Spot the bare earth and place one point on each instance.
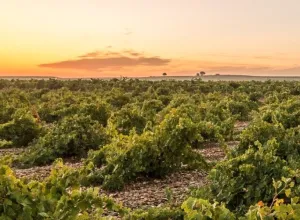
(140, 194)
(148, 192)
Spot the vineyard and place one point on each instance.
(138, 149)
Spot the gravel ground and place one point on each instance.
(240, 126)
(10, 151)
(144, 193)
(152, 193)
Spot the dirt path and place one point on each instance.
(153, 192)
(10, 151)
(42, 172)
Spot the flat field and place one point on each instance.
(149, 149)
(225, 78)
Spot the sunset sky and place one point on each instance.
(104, 38)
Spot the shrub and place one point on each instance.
(150, 154)
(98, 111)
(245, 179)
(56, 198)
(71, 137)
(128, 118)
(161, 213)
(203, 209)
(21, 130)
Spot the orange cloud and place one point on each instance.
(97, 60)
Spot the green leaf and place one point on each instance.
(288, 192)
(7, 202)
(44, 214)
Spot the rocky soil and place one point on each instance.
(10, 151)
(145, 193)
(40, 173)
(240, 126)
(152, 193)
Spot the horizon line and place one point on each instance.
(159, 76)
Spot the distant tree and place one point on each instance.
(164, 74)
(202, 73)
(197, 74)
(217, 74)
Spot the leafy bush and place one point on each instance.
(98, 111)
(286, 113)
(288, 140)
(245, 179)
(21, 130)
(56, 198)
(148, 128)
(152, 153)
(260, 131)
(118, 98)
(150, 108)
(128, 118)
(203, 209)
(73, 136)
(162, 213)
(240, 109)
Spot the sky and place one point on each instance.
(109, 38)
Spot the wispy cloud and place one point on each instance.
(90, 55)
(261, 70)
(240, 68)
(127, 31)
(130, 61)
(99, 60)
(264, 57)
(295, 70)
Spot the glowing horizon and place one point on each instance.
(73, 38)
